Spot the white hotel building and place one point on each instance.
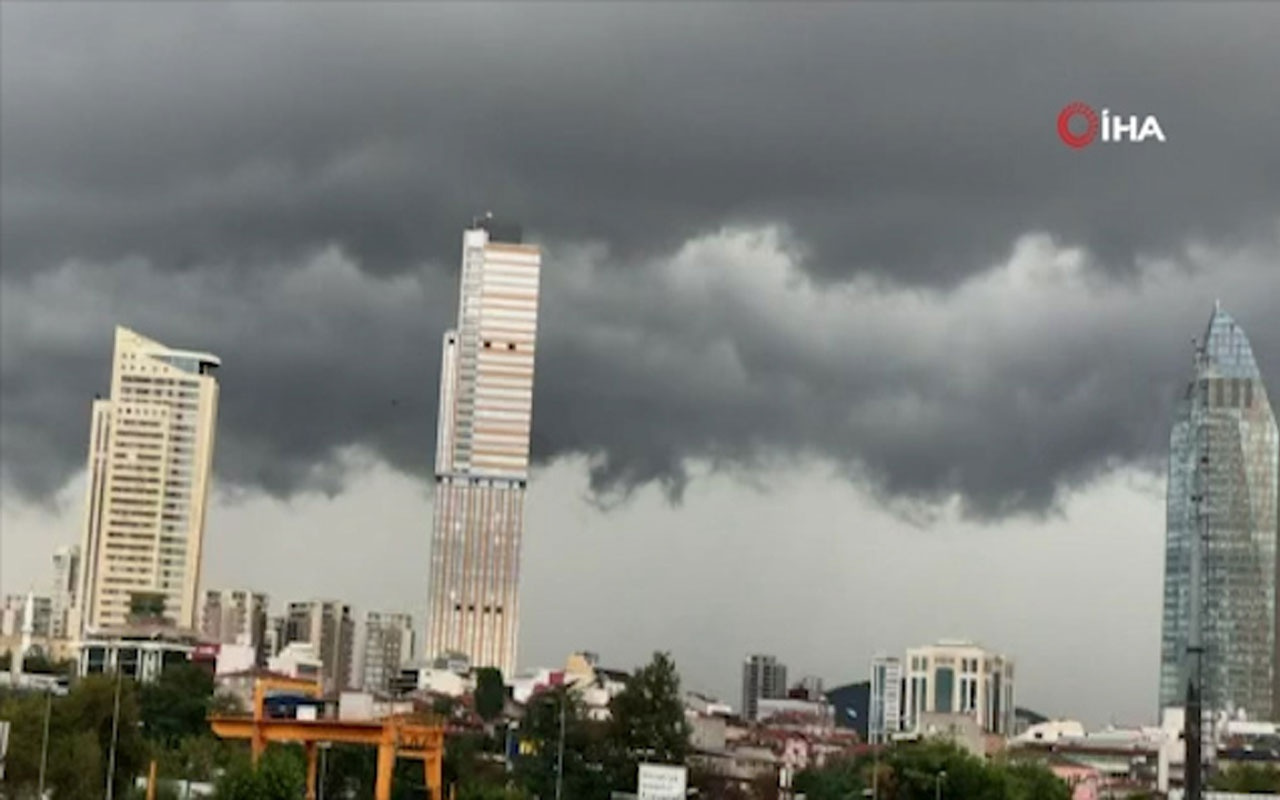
(959, 677)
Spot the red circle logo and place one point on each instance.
(1070, 112)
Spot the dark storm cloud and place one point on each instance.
(917, 142)
(316, 360)
(908, 145)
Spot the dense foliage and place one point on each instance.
(926, 771)
(491, 693)
(281, 775)
(80, 727)
(167, 721)
(647, 723)
(1247, 779)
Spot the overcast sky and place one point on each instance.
(842, 350)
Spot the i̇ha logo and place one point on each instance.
(1114, 128)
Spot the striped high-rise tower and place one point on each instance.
(482, 450)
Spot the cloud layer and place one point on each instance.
(840, 231)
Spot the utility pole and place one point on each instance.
(875, 771)
(115, 732)
(1193, 725)
(564, 696)
(44, 744)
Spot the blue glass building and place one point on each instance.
(1224, 445)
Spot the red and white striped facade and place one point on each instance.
(482, 454)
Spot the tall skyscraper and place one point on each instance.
(1222, 487)
(66, 573)
(236, 616)
(150, 460)
(762, 677)
(388, 645)
(482, 451)
(330, 629)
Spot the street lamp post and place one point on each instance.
(115, 732)
(875, 756)
(44, 745)
(564, 696)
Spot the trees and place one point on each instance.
(490, 694)
(193, 758)
(280, 775)
(1031, 781)
(839, 778)
(90, 707)
(914, 772)
(647, 722)
(177, 704)
(583, 774)
(37, 663)
(1247, 779)
(25, 713)
(80, 736)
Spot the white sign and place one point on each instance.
(662, 782)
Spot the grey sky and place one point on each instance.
(842, 240)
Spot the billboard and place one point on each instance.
(662, 782)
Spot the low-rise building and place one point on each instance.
(140, 652)
(594, 685)
(298, 660)
(235, 658)
(1124, 760)
(705, 705)
(527, 683)
(357, 706)
(434, 681)
(961, 730)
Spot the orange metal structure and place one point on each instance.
(395, 737)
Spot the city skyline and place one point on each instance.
(847, 340)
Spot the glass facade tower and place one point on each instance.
(1222, 492)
